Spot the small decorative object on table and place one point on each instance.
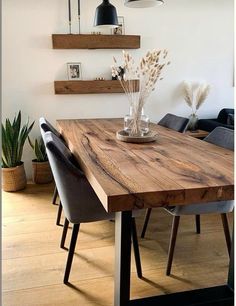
(124, 136)
(148, 72)
(195, 101)
(74, 71)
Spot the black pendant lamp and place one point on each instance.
(106, 15)
(142, 3)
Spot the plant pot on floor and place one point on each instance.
(42, 173)
(14, 179)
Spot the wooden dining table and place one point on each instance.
(176, 169)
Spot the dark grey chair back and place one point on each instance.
(222, 137)
(47, 127)
(174, 122)
(79, 201)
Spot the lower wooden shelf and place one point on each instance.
(90, 41)
(90, 87)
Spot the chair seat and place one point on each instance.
(219, 207)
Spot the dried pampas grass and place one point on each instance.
(202, 92)
(147, 72)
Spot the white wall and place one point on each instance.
(197, 33)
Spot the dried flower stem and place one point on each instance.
(147, 73)
(201, 95)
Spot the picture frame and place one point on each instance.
(74, 71)
(120, 30)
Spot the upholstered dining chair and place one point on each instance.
(174, 122)
(79, 201)
(222, 137)
(178, 124)
(46, 126)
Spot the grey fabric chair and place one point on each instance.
(174, 122)
(222, 137)
(79, 201)
(45, 126)
(178, 124)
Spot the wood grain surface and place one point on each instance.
(176, 169)
(91, 41)
(90, 86)
(197, 133)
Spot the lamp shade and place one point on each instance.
(142, 3)
(106, 15)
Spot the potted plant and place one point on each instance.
(13, 140)
(42, 173)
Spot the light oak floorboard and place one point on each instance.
(33, 264)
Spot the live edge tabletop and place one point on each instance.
(175, 169)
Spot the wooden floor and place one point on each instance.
(33, 263)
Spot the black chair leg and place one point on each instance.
(226, 231)
(198, 224)
(174, 232)
(147, 217)
(74, 236)
(55, 195)
(59, 214)
(136, 249)
(63, 237)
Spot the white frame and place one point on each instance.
(79, 72)
(121, 22)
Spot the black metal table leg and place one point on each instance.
(213, 296)
(231, 265)
(123, 225)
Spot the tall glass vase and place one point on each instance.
(136, 123)
(193, 120)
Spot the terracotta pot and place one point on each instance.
(42, 173)
(14, 179)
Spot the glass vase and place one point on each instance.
(136, 123)
(144, 123)
(193, 120)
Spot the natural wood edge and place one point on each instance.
(173, 197)
(89, 87)
(91, 41)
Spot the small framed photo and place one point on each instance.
(74, 71)
(120, 30)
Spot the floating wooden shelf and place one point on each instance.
(90, 87)
(91, 41)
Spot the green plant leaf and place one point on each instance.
(13, 140)
(30, 143)
(38, 153)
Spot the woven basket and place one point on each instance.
(42, 173)
(13, 179)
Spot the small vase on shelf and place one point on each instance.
(193, 120)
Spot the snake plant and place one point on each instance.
(13, 140)
(39, 149)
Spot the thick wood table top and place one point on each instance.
(176, 169)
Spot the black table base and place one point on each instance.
(214, 296)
